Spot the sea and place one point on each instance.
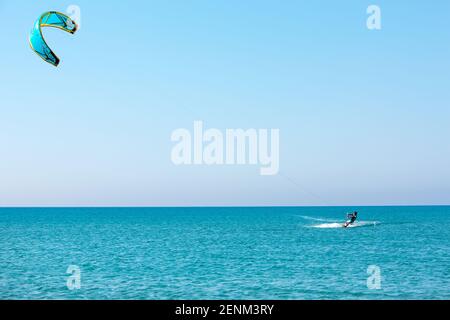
(225, 253)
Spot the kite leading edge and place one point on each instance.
(49, 19)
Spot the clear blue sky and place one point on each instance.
(364, 116)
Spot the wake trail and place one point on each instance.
(336, 225)
(318, 219)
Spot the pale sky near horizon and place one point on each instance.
(364, 115)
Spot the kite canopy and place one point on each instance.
(49, 19)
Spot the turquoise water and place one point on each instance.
(225, 253)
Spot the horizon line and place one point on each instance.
(216, 206)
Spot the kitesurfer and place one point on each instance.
(351, 219)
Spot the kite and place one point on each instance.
(49, 19)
